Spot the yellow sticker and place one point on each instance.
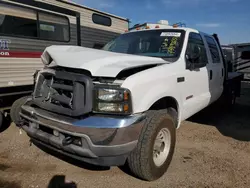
(172, 46)
(164, 45)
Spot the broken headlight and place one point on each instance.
(112, 100)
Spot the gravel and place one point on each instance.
(212, 150)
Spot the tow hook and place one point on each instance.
(67, 141)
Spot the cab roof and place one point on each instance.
(162, 24)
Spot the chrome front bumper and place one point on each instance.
(100, 140)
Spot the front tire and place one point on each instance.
(16, 108)
(153, 154)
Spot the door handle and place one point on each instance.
(211, 74)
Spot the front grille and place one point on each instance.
(64, 92)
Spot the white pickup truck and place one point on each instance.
(122, 105)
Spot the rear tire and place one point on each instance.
(16, 108)
(229, 98)
(143, 162)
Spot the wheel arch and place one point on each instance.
(165, 103)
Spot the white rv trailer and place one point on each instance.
(28, 27)
(238, 57)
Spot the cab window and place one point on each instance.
(162, 43)
(195, 40)
(213, 49)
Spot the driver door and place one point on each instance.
(196, 92)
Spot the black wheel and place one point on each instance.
(155, 148)
(233, 98)
(4, 122)
(16, 108)
(230, 98)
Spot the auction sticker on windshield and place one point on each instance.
(170, 34)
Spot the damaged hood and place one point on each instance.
(99, 62)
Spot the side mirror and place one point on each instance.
(195, 55)
(245, 55)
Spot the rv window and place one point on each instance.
(101, 20)
(213, 49)
(22, 22)
(17, 21)
(53, 27)
(245, 55)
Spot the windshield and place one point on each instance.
(165, 43)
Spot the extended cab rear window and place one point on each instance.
(18, 21)
(213, 49)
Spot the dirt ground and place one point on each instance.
(213, 150)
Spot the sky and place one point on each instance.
(230, 19)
